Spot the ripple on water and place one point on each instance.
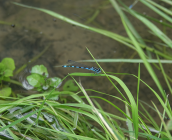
(23, 80)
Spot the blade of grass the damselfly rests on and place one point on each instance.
(129, 124)
(128, 61)
(165, 127)
(152, 5)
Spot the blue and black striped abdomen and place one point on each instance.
(73, 64)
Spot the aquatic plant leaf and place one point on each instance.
(36, 80)
(9, 63)
(55, 82)
(6, 92)
(2, 68)
(40, 69)
(8, 73)
(69, 86)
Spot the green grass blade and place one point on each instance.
(153, 28)
(128, 61)
(150, 3)
(129, 124)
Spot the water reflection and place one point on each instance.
(22, 78)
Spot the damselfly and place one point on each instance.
(73, 64)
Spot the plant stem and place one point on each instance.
(15, 82)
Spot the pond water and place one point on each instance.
(35, 30)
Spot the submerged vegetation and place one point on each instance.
(50, 113)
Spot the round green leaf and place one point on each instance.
(9, 63)
(6, 92)
(8, 73)
(36, 80)
(40, 69)
(69, 86)
(55, 82)
(2, 68)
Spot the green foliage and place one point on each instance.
(6, 71)
(40, 69)
(38, 79)
(169, 125)
(69, 86)
(54, 82)
(54, 95)
(9, 63)
(5, 92)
